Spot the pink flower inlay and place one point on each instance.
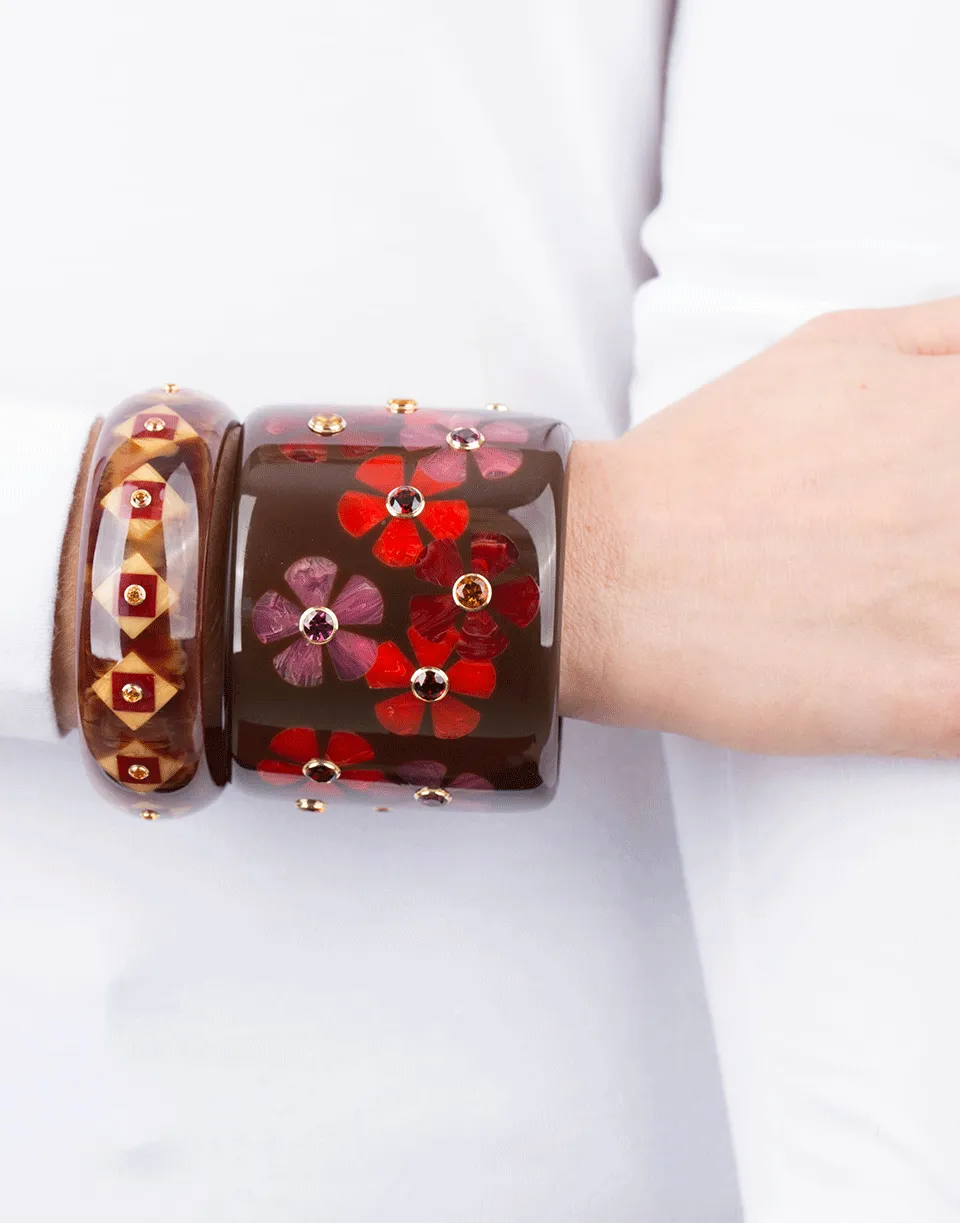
(495, 459)
(437, 776)
(276, 618)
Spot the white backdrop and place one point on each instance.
(253, 1014)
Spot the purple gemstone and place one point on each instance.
(405, 501)
(464, 438)
(429, 684)
(318, 625)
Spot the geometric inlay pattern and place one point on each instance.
(139, 767)
(134, 595)
(156, 431)
(142, 501)
(133, 690)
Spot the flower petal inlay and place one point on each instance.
(300, 664)
(274, 618)
(311, 579)
(360, 602)
(351, 654)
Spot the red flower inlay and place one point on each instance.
(495, 459)
(479, 636)
(403, 714)
(400, 542)
(298, 745)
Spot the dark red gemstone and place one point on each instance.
(405, 501)
(429, 684)
(464, 438)
(321, 770)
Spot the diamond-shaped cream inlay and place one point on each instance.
(107, 594)
(117, 501)
(133, 664)
(139, 751)
(153, 446)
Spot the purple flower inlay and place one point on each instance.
(433, 773)
(275, 618)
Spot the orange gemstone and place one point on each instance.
(472, 591)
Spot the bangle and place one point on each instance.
(150, 625)
(397, 602)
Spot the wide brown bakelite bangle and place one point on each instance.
(151, 592)
(397, 603)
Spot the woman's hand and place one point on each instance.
(773, 563)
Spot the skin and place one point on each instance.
(772, 563)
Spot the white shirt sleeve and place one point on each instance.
(811, 163)
(39, 462)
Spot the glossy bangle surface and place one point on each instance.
(150, 639)
(396, 620)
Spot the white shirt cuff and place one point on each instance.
(39, 461)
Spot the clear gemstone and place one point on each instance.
(311, 804)
(400, 407)
(432, 796)
(472, 591)
(327, 426)
(140, 499)
(138, 772)
(134, 595)
(429, 684)
(318, 625)
(405, 501)
(465, 438)
(154, 424)
(323, 771)
(131, 693)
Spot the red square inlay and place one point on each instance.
(170, 422)
(146, 704)
(150, 763)
(147, 609)
(155, 488)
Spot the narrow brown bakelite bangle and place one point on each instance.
(151, 595)
(397, 606)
